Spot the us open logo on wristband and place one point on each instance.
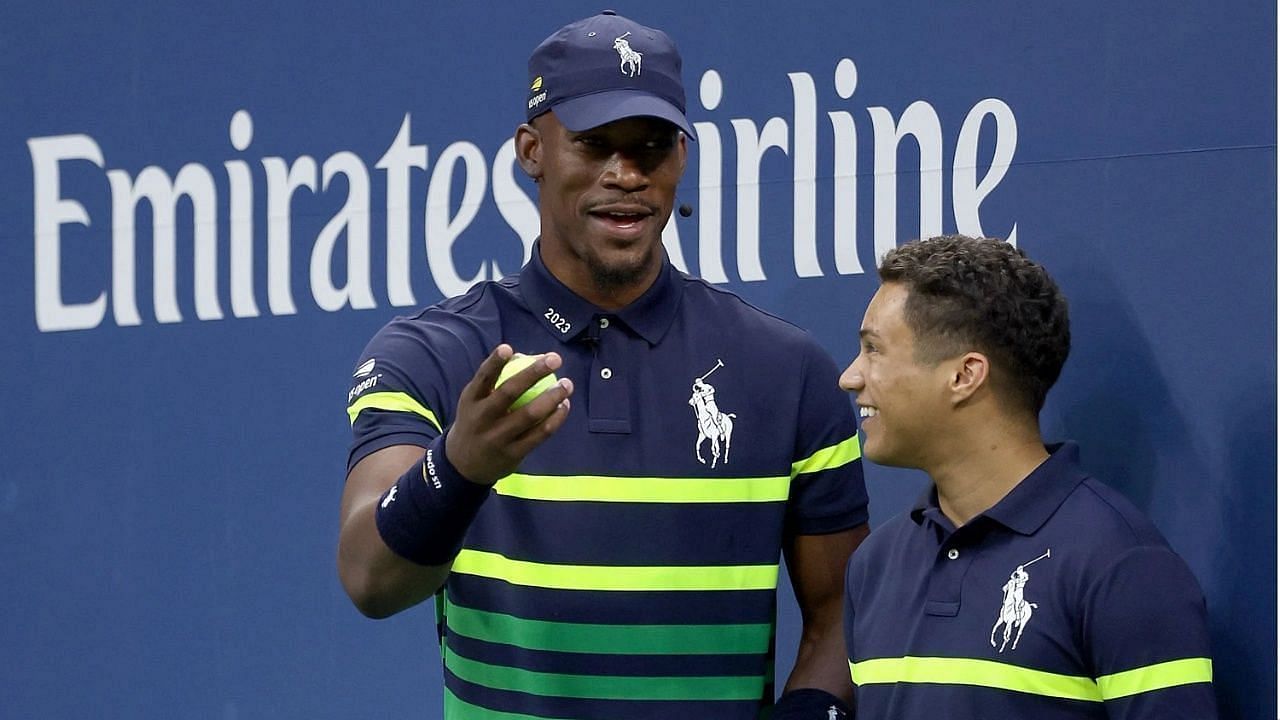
(429, 468)
(391, 496)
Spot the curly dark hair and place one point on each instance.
(984, 294)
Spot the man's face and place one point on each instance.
(605, 195)
(901, 401)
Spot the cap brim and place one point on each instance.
(589, 111)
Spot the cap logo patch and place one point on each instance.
(630, 59)
(537, 84)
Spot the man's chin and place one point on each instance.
(621, 269)
(881, 456)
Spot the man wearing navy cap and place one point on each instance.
(611, 548)
(1018, 586)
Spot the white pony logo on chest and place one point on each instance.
(1015, 611)
(713, 425)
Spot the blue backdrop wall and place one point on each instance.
(208, 210)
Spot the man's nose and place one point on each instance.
(851, 379)
(626, 172)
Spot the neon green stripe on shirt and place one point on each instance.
(616, 577)
(969, 671)
(1159, 676)
(594, 488)
(829, 458)
(605, 687)
(736, 639)
(393, 401)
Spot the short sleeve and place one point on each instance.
(1146, 630)
(405, 387)
(828, 493)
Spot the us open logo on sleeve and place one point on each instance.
(367, 380)
(1015, 611)
(365, 368)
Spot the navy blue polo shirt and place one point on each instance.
(1061, 601)
(628, 568)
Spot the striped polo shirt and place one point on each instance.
(1061, 602)
(628, 568)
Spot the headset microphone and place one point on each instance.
(685, 210)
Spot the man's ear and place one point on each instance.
(971, 372)
(528, 143)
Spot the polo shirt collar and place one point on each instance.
(649, 316)
(1031, 502)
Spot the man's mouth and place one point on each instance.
(866, 411)
(622, 220)
(622, 217)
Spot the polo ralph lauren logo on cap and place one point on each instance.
(606, 68)
(630, 64)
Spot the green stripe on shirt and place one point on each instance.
(969, 671)
(736, 639)
(616, 577)
(829, 458)
(393, 401)
(596, 488)
(1159, 676)
(1004, 676)
(605, 687)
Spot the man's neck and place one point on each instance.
(985, 467)
(599, 291)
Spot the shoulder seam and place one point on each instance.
(1087, 483)
(690, 279)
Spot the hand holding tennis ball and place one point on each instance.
(517, 363)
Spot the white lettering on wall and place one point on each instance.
(345, 281)
(921, 122)
(153, 184)
(52, 211)
(444, 226)
(400, 157)
(967, 193)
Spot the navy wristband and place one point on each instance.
(425, 515)
(810, 704)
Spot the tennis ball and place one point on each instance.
(517, 363)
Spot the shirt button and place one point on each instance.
(606, 373)
(604, 323)
(952, 554)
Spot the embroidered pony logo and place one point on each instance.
(629, 59)
(1015, 611)
(713, 425)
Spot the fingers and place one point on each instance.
(555, 398)
(515, 391)
(489, 437)
(487, 374)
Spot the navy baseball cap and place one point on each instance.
(606, 68)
